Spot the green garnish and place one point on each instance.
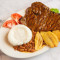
(55, 10)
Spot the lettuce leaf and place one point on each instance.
(55, 10)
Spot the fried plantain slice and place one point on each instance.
(38, 41)
(53, 38)
(57, 33)
(47, 40)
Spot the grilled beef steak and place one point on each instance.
(38, 17)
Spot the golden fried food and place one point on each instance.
(38, 41)
(47, 40)
(53, 38)
(50, 39)
(57, 33)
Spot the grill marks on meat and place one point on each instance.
(39, 18)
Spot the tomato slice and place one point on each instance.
(9, 23)
(16, 17)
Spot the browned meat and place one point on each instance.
(38, 17)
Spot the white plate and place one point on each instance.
(8, 50)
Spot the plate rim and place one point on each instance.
(46, 47)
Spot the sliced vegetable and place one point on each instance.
(57, 33)
(53, 38)
(50, 39)
(55, 10)
(9, 23)
(47, 40)
(38, 41)
(16, 17)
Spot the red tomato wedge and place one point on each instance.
(16, 17)
(9, 23)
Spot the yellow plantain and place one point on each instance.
(57, 33)
(46, 39)
(53, 38)
(38, 41)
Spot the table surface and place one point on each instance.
(7, 7)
